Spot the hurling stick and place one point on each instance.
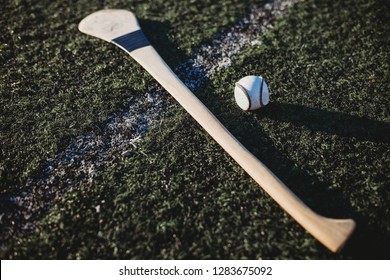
(121, 28)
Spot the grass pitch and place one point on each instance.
(178, 195)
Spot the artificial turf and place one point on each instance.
(325, 132)
(51, 73)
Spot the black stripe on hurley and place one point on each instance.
(132, 41)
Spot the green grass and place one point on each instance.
(55, 82)
(325, 134)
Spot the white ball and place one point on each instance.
(251, 93)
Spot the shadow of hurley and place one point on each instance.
(335, 123)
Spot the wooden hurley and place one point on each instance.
(121, 28)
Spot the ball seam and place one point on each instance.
(261, 92)
(247, 95)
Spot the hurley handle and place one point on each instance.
(333, 233)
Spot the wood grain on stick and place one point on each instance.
(109, 25)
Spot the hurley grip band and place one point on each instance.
(132, 41)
